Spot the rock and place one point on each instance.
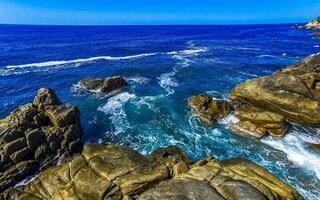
(26, 136)
(180, 189)
(315, 147)
(290, 92)
(116, 172)
(256, 123)
(312, 25)
(316, 35)
(104, 85)
(208, 109)
(46, 97)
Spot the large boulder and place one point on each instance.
(208, 109)
(29, 139)
(291, 92)
(104, 85)
(116, 172)
(256, 123)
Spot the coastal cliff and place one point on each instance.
(111, 171)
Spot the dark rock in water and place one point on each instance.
(316, 35)
(315, 147)
(30, 137)
(208, 109)
(104, 85)
(312, 25)
(116, 172)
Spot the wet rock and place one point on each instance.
(256, 123)
(116, 172)
(25, 137)
(208, 109)
(312, 25)
(315, 147)
(104, 85)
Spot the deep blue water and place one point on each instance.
(164, 65)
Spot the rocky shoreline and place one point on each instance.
(110, 171)
(312, 25)
(267, 105)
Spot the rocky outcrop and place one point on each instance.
(104, 85)
(312, 25)
(116, 172)
(32, 135)
(208, 109)
(265, 105)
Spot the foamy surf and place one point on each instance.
(115, 108)
(79, 61)
(295, 146)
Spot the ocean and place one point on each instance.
(164, 65)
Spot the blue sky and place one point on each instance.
(99, 12)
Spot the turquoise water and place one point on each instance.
(164, 65)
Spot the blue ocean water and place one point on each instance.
(164, 66)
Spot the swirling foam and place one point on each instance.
(295, 145)
(115, 108)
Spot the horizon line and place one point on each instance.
(209, 24)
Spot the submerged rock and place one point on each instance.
(116, 172)
(312, 25)
(104, 85)
(30, 137)
(208, 109)
(316, 35)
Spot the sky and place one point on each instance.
(128, 12)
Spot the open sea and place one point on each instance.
(164, 65)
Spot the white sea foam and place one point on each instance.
(167, 81)
(138, 80)
(295, 145)
(115, 108)
(78, 61)
(316, 46)
(266, 56)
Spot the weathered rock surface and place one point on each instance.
(312, 25)
(265, 105)
(291, 92)
(32, 135)
(256, 123)
(104, 85)
(116, 172)
(208, 109)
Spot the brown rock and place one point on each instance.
(30, 141)
(208, 109)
